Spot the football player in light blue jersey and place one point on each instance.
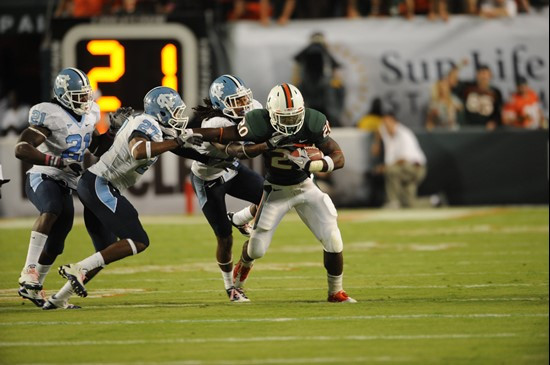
(59, 134)
(110, 218)
(228, 102)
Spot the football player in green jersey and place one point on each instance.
(286, 125)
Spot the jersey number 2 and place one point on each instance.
(76, 147)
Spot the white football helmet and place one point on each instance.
(285, 105)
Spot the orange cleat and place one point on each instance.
(340, 297)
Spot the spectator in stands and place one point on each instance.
(2, 181)
(393, 8)
(498, 8)
(404, 162)
(438, 9)
(374, 175)
(373, 119)
(444, 109)
(470, 7)
(482, 101)
(79, 8)
(523, 109)
(262, 10)
(317, 75)
(14, 119)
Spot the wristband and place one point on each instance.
(54, 161)
(330, 163)
(148, 149)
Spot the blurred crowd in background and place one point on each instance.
(282, 11)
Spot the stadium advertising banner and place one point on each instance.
(399, 60)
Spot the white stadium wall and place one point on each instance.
(396, 59)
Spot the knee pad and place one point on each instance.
(257, 247)
(333, 241)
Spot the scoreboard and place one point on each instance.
(124, 61)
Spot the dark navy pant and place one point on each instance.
(107, 213)
(52, 196)
(247, 185)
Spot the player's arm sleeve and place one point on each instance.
(219, 135)
(191, 154)
(101, 142)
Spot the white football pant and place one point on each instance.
(314, 207)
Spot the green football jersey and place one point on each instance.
(256, 127)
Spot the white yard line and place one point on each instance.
(261, 361)
(361, 338)
(278, 319)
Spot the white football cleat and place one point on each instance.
(245, 229)
(29, 278)
(36, 296)
(340, 297)
(237, 295)
(75, 275)
(54, 303)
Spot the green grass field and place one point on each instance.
(445, 286)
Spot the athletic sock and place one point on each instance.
(36, 244)
(243, 216)
(65, 292)
(92, 262)
(227, 279)
(43, 270)
(334, 283)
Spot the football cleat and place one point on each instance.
(54, 303)
(340, 297)
(75, 275)
(36, 296)
(29, 278)
(240, 273)
(245, 229)
(237, 295)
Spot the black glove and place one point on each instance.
(276, 140)
(118, 118)
(72, 167)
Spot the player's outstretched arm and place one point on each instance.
(242, 150)
(219, 135)
(141, 148)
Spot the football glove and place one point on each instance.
(117, 119)
(168, 133)
(302, 161)
(276, 140)
(188, 139)
(71, 166)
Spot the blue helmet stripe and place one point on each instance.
(237, 83)
(82, 76)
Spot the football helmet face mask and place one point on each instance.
(230, 95)
(285, 105)
(166, 105)
(73, 90)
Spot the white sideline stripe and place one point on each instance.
(259, 339)
(194, 305)
(279, 319)
(302, 360)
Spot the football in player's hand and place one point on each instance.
(313, 153)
